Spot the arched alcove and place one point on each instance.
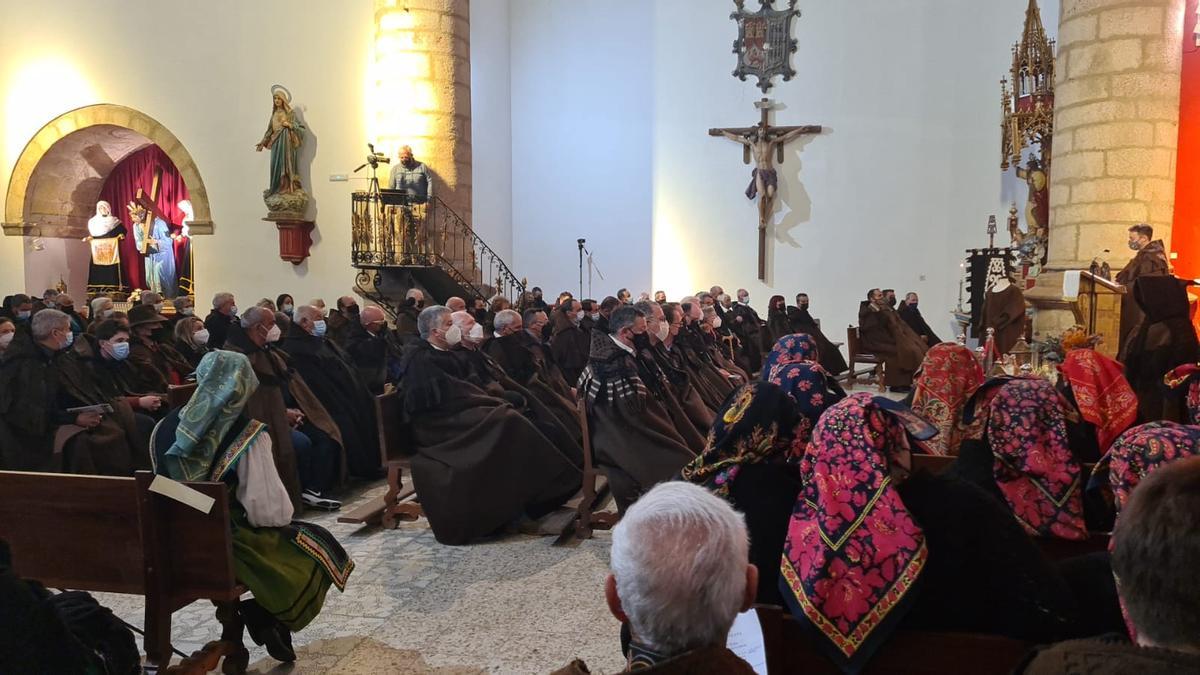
(58, 176)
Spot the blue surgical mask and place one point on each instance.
(70, 340)
(319, 328)
(119, 351)
(24, 315)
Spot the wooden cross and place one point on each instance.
(151, 206)
(764, 144)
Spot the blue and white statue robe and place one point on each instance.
(160, 258)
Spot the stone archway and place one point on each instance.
(52, 193)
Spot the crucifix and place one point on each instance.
(764, 143)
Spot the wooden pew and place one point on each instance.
(179, 394)
(1054, 548)
(790, 650)
(399, 502)
(857, 356)
(98, 533)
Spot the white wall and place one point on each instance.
(204, 71)
(899, 184)
(608, 97)
(491, 127)
(582, 109)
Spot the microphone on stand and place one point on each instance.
(581, 242)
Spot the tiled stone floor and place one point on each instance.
(516, 604)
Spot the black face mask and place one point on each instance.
(641, 341)
(352, 310)
(804, 306)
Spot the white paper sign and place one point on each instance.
(182, 493)
(746, 640)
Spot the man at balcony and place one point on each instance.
(479, 464)
(411, 177)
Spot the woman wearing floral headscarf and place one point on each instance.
(1107, 404)
(287, 565)
(1141, 450)
(947, 379)
(792, 365)
(1022, 455)
(871, 547)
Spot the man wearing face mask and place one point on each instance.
(883, 333)
(607, 305)
(670, 383)
(633, 437)
(7, 332)
(343, 320)
(911, 315)
(511, 348)
(220, 319)
(41, 380)
(375, 349)
(698, 353)
(538, 302)
(306, 443)
(20, 310)
(1150, 259)
(569, 343)
(184, 307)
(802, 321)
(531, 335)
(479, 463)
(406, 319)
(744, 322)
(330, 373)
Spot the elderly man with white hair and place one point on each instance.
(306, 443)
(680, 575)
(223, 315)
(406, 318)
(479, 463)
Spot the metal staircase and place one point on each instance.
(426, 245)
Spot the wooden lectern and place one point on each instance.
(1103, 316)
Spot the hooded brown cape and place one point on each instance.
(885, 334)
(478, 463)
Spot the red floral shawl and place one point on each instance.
(949, 376)
(1032, 462)
(1102, 393)
(1143, 449)
(853, 552)
(1187, 375)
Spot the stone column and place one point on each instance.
(422, 91)
(1116, 118)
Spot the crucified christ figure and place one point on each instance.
(764, 143)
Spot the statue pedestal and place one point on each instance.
(295, 237)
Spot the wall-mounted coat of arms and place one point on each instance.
(764, 44)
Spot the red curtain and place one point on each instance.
(137, 171)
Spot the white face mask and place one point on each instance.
(579, 316)
(6, 339)
(595, 316)
(476, 332)
(453, 335)
(744, 299)
(274, 333)
(286, 309)
(664, 329)
(200, 337)
(107, 313)
(716, 322)
(158, 307)
(187, 311)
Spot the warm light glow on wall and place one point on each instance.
(38, 92)
(402, 99)
(672, 251)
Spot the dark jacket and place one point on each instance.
(1108, 655)
(218, 328)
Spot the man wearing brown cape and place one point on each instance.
(801, 321)
(286, 405)
(882, 332)
(568, 341)
(1150, 260)
(692, 417)
(478, 463)
(634, 440)
(510, 351)
(39, 381)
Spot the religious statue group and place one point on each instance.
(164, 254)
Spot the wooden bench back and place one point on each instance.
(99, 533)
(392, 436)
(179, 394)
(791, 650)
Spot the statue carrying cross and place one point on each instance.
(762, 141)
